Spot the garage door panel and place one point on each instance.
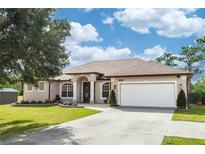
(148, 94)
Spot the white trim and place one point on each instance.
(147, 82)
(27, 88)
(92, 88)
(75, 91)
(101, 84)
(60, 93)
(44, 87)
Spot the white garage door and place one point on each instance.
(148, 94)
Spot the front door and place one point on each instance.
(86, 92)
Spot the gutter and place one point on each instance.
(148, 75)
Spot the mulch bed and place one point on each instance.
(71, 106)
(48, 104)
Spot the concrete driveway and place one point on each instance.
(112, 126)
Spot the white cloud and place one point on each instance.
(87, 33)
(85, 54)
(82, 54)
(88, 9)
(108, 20)
(188, 10)
(167, 22)
(83, 33)
(152, 53)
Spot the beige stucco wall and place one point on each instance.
(35, 94)
(42, 96)
(55, 87)
(55, 90)
(179, 80)
(90, 77)
(98, 98)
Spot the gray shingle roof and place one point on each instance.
(63, 77)
(125, 67)
(8, 90)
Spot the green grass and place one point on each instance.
(196, 113)
(173, 140)
(20, 120)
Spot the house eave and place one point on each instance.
(84, 73)
(141, 75)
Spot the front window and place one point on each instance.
(105, 90)
(29, 87)
(67, 90)
(41, 86)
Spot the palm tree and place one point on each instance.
(167, 59)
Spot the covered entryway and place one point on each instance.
(148, 94)
(84, 88)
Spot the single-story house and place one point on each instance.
(135, 82)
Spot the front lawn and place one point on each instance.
(173, 140)
(196, 113)
(20, 120)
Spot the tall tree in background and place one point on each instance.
(199, 90)
(201, 45)
(191, 56)
(31, 45)
(167, 59)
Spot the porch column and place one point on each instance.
(74, 91)
(92, 92)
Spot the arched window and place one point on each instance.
(105, 90)
(67, 90)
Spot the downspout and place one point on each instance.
(49, 90)
(188, 90)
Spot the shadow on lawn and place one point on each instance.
(15, 122)
(17, 127)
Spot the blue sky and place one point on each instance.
(99, 34)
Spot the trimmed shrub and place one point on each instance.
(52, 101)
(40, 102)
(33, 102)
(112, 98)
(26, 102)
(181, 99)
(57, 98)
(67, 103)
(47, 101)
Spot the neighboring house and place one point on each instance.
(135, 82)
(8, 95)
